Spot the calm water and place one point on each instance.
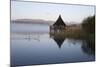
(32, 44)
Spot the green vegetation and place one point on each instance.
(88, 25)
(87, 31)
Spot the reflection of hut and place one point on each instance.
(59, 40)
(58, 26)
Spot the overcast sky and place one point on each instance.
(48, 11)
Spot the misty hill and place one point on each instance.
(32, 21)
(40, 21)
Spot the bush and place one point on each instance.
(88, 24)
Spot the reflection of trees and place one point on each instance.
(88, 47)
(58, 39)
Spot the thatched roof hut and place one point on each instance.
(58, 26)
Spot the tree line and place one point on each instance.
(88, 24)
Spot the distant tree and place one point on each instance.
(88, 24)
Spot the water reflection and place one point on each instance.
(59, 40)
(88, 47)
(40, 49)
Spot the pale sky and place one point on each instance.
(48, 11)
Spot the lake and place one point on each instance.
(31, 44)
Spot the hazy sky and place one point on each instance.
(48, 11)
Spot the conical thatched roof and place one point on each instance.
(59, 22)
